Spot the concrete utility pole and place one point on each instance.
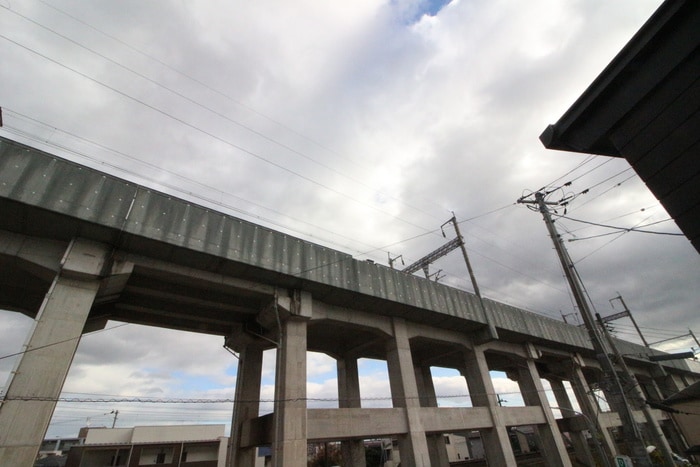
(616, 395)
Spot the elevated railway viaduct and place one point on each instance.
(79, 247)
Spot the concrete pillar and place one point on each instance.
(424, 383)
(589, 407)
(289, 443)
(246, 405)
(353, 450)
(578, 439)
(428, 398)
(548, 436)
(413, 446)
(41, 371)
(495, 440)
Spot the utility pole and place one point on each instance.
(116, 414)
(617, 399)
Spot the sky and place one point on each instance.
(358, 125)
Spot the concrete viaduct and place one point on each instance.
(79, 247)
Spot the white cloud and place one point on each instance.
(369, 125)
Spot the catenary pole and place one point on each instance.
(638, 396)
(492, 332)
(629, 313)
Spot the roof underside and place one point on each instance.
(645, 107)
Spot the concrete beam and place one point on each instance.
(39, 256)
(340, 424)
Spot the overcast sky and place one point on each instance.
(358, 125)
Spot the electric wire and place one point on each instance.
(214, 136)
(619, 235)
(227, 400)
(33, 349)
(617, 185)
(177, 188)
(298, 273)
(273, 222)
(203, 84)
(620, 216)
(605, 180)
(587, 160)
(625, 229)
(607, 161)
(229, 206)
(129, 70)
(212, 111)
(431, 232)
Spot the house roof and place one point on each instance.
(645, 106)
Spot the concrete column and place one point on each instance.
(551, 443)
(426, 388)
(289, 444)
(428, 398)
(40, 373)
(413, 446)
(353, 450)
(583, 453)
(495, 440)
(246, 405)
(589, 406)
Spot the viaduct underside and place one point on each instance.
(79, 248)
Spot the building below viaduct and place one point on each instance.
(79, 247)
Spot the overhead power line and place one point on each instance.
(213, 112)
(60, 342)
(214, 136)
(625, 229)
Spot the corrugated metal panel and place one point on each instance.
(38, 179)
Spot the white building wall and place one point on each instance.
(154, 434)
(109, 436)
(167, 434)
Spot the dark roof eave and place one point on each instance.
(559, 136)
(551, 139)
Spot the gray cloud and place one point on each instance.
(372, 129)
